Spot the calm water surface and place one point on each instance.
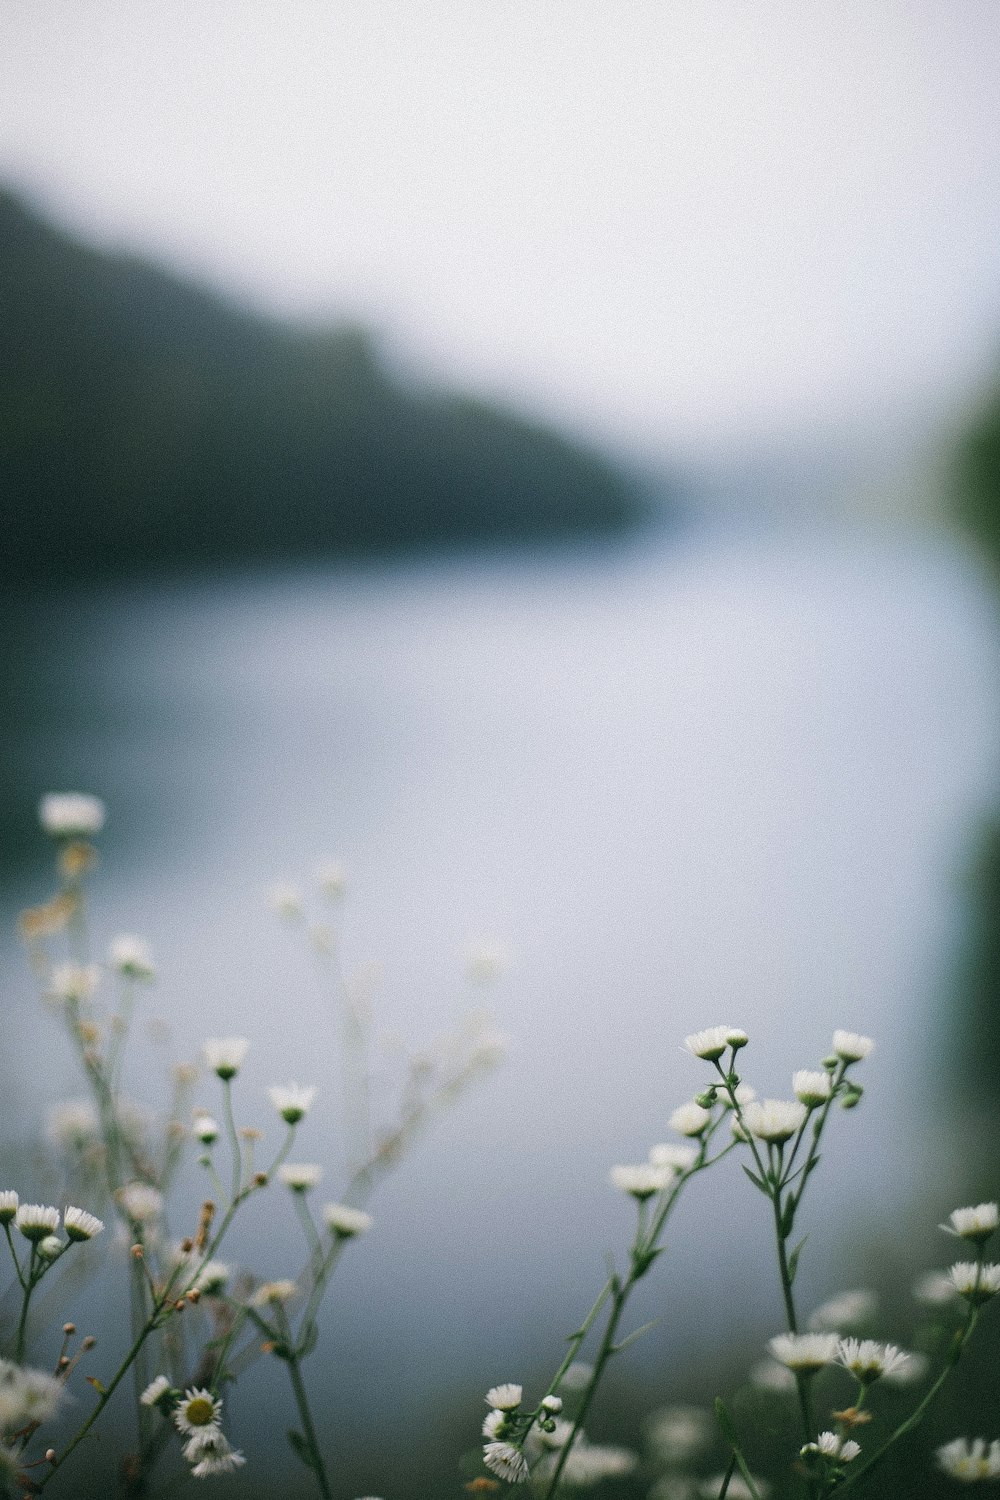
(728, 781)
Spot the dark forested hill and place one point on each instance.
(143, 420)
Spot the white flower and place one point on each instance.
(73, 1124)
(689, 1119)
(140, 1203)
(51, 1247)
(205, 1129)
(493, 1425)
(332, 879)
(677, 1434)
(775, 1120)
(271, 1293)
(552, 1404)
(970, 1459)
(911, 1373)
(209, 1452)
(300, 1176)
(851, 1047)
(79, 1224)
(506, 1461)
(504, 1397)
(846, 1310)
(811, 1088)
(934, 1288)
(557, 1438)
(291, 1101)
(8, 1205)
(745, 1094)
(831, 1445)
(591, 1463)
(26, 1396)
(679, 1158)
(711, 1043)
(867, 1359)
(212, 1277)
(71, 815)
(285, 899)
(768, 1375)
(155, 1391)
(346, 1222)
(976, 1283)
(73, 982)
(578, 1376)
(35, 1221)
(973, 1223)
(130, 957)
(224, 1054)
(804, 1351)
(642, 1181)
(196, 1410)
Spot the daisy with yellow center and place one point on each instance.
(196, 1410)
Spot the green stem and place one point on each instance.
(234, 1140)
(308, 1429)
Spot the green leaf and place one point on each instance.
(301, 1448)
(725, 1421)
(310, 1341)
(757, 1182)
(793, 1259)
(632, 1337)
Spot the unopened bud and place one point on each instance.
(193, 1295)
(69, 1328)
(260, 1179)
(50, 1455)
(187, 1245)
(137, 1252)
(180, 1305)
(88, 1342)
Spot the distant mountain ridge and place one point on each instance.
(145, 421)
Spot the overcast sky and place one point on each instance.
(678, 222)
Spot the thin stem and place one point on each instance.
(308, 1428)
(234, 1140)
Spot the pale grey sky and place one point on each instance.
(677, 222)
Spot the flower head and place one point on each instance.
(976, 1224)
(642, 1181)
(774, 1120)
(196, 1410)
(344, 1221)
(291, 1101)
(209, 1452)
(976, 1283)
(130, 957)
(934, 1288)
(140, 1203)
(493, 1425)
(8, 1205)
(504, 1397)
(712, 1043)
(812, 1088)
(73, 983)
(155, 1391)
(676, 1434)
(851, 1047)
(212, 1277)
(506, 1461)
(50, 1247)
(804, 1351)
(71, 815)
(552, 1404)
(26, 1395)
(300, 1176)
(690, 1119)
(679, 1158)
(35, 1221)
(867, 1359)
(205, 1129)
(224, 1054)
(73, 1124)
(80, 1225)
(831, 1445)
(273, 1293)
(970, 1459)
(846, 1310)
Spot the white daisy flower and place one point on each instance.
(774, 1120)
(970, 1459)
(196, 1410)
(831, 1445)
(300, 1176)
(8, 1205)
(679, 1158)
(27, 1396)
(36, 1221)
(592, 1463)
(205, 1129)
(851, 1047)
(81, 1225)
(224, 1054)
(552, 1404)
(911, 1373)
(155, 1391)
(768, 1375)
(642, 1181)
(975, 1224)
(710, 1044)
(73, 983)
(344, 1221)
(72, 1125)
(285, 899)
(934, 1288)
(140, 1203)
(846, 1310)
(804, 1351)
(689, 1119)
(71, 815)
(578, 1376)
(745, 1094)
(974, 1282)
(506, 1461)
(209, 1452)
(867, 1359)
(130, 956)
(677, 1434)
(292, 1101)
(212, 1277)
(272, 1293)
(504, 1397)
(812, 1088)
(493, 1425)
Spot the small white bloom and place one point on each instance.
(768, 1375)
(205, 1129)
(851, 1047)
(285, 899)
(689, 1119)
(745, 1094)
(868, 1359)
(557, 1438)
(224, 1054)
(976, 1283)
(344, 1221)
(506, 1461)
(934, 1288)
(300, 1176)
(212, 1277)
(8, 1205)
(26, 1396)
(677, 1434)
(130, 956)
(291, 1101)
(679, 1158)
(804, 1351)
(209, 1452)
(140, 1203)
(51, 1247)
(35, 1221)
(846, 1310)
(592, 1463)
(911, 1373)
(73, 983)
(196, 1410)
(72, 1125)
(493, 1425)
(552, 1404)
(970, 1459)
(831, 1445)
(81, 1225)
(155, 1391)
(710, 1044)
(504, 1397)
(811, 1088)
(973, 1223)
(578, 1376)
(272, 1293)
(642, 1181)
(71, 815)
(774, 1120)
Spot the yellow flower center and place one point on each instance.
(200, 1412)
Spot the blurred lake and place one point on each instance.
(727, 779)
